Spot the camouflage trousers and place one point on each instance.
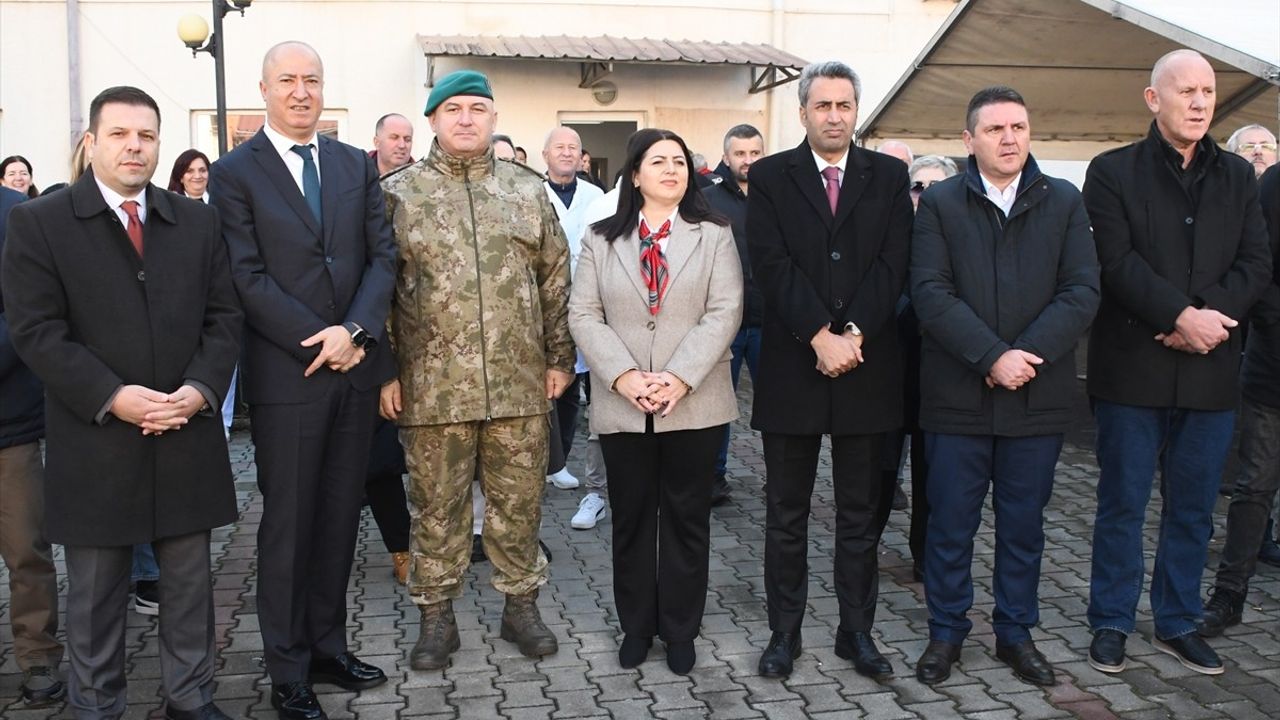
(509, 458)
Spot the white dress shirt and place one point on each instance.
(115, 200)
(1002, 198)
(823, 165)
(293, 160)
(662, 244)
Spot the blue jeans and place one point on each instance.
(144, 563)
(1019, 471)
(746, 346)
(1190, 447)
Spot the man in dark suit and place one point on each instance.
(829, 229)
(119, 297)
(312, 257)
(1004, 280)
(1184, 255)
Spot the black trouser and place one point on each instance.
(312, 462)
(919, 496)
(384, 487)
(791, 462)
(568, 406)
(1250, 507)
(660, 495)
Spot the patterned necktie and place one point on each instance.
(134, 228)
(832, 175)
(310, 180)
(653, 264)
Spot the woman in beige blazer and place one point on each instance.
(656, 301)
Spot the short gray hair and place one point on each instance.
(829, 69)
(742, 132)
(1233, 142)
(941, 162)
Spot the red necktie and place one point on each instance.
(134, 228)
(832, 175)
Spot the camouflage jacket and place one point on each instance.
(482, 289)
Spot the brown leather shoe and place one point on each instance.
(400, 567)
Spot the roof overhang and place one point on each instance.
(596, 56)
(1080, 64)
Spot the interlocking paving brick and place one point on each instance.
(488, 678)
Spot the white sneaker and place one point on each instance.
(590, 511)
(563, 479)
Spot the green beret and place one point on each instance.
(459, 82)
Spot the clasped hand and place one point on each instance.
(1197, 331)
(1013, 369)
(837, 354)
(651, 392)
(156, 412)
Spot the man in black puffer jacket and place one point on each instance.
(33, 580)
(1004, 280)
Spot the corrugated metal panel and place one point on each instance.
(609, 49)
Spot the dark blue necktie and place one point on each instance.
(310, 180)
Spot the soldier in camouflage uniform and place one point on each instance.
(480, 330)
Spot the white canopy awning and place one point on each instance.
(1082, 65)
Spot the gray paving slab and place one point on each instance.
(490, 679)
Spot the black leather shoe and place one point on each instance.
(777, 658)
(1224, 609)
(935, 662)
(1106, 652)
(1193, 652)
(720, 492)
(861, 649)
(347, 672)
(208, 711)
(1027, 662)
(296, 701)
(1269, 552)
(634, 650)
(681, 657)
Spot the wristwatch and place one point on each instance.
(359, 337)
(849, 327)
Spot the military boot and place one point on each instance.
(522, 624)
(437, 638)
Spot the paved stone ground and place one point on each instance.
(489, 679)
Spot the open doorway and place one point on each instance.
(605, 139)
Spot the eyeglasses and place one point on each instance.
(1255, 147)
(919, 186)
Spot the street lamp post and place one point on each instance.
(193, 30)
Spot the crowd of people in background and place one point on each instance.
(452, 316)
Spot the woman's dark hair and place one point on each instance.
(180, 167)
(693, 206)
(32, 192)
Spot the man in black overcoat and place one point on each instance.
(119, 298)
(1184, 256)
(829, 229)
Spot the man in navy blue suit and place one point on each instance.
(313, 261)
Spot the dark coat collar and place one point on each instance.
(1206, 149)
(804, 172)
(1030, 174)
(87, 200)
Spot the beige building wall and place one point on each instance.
(374, 65)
